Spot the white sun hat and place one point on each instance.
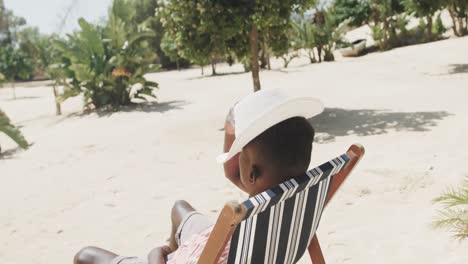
(261, 110)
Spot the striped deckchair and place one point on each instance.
(278, 225)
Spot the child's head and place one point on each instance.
(281, 152)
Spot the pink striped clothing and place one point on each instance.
(190, 251)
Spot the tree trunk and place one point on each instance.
(177, 64)
(319, 51)
(213, 67)
(263, 63)
(466, 25)
(454, 22)
(202, 71)
(14, 90)
(328, 54)
(385, 26)
(268, 61)
(461, 28)
(375, 16)
(254, 58)
(58, 108)
(285, 62)
(312, 56)
(265, 56)
(429, 27)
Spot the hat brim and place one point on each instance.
(306, 107)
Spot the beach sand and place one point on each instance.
(110, 179)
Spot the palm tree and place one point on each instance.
(305, 32)
(454, 215)
(11, 131)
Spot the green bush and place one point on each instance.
(327, 33)
(305, 36)
(15, 64)
(454, 215)
(422, 24)
(107, 64)
(424, 9)
(439, 29)
(11, 131)
(357, 12)
(398, 35)
(386, 15)
(378, 35)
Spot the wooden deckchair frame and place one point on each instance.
(233, 213)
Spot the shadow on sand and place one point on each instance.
(458, 68)
(8, 154)
(18, 98)
(217, 75)
(337, 122)
(290, 69)
(147, 107)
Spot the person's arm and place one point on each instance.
(159, 255)
(231, 167)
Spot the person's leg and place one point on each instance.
(94, 255)
(179, 212)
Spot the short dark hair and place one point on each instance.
(288, 144)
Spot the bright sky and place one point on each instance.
(47, 14)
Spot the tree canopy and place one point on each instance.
(204, 31)
(357, 11)
(16, 47)
(426, 9)
(458, 10)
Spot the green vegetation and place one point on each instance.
(195, 30)
(388, 21)
(424, 9)
(14, 64)
(145, 13)
(458, 10)
(11, 131)
(107, 63)
(206, 31)
(322, 32)
(454, 215)
(438, 29)
(305, 37)
(328, 33)
(17, 47)
(267, 24)
(357, 11)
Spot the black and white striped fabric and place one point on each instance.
(281, 222)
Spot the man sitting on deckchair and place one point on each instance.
(268, 140)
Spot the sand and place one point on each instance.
(110, 179)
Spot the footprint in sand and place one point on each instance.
(364, 192)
